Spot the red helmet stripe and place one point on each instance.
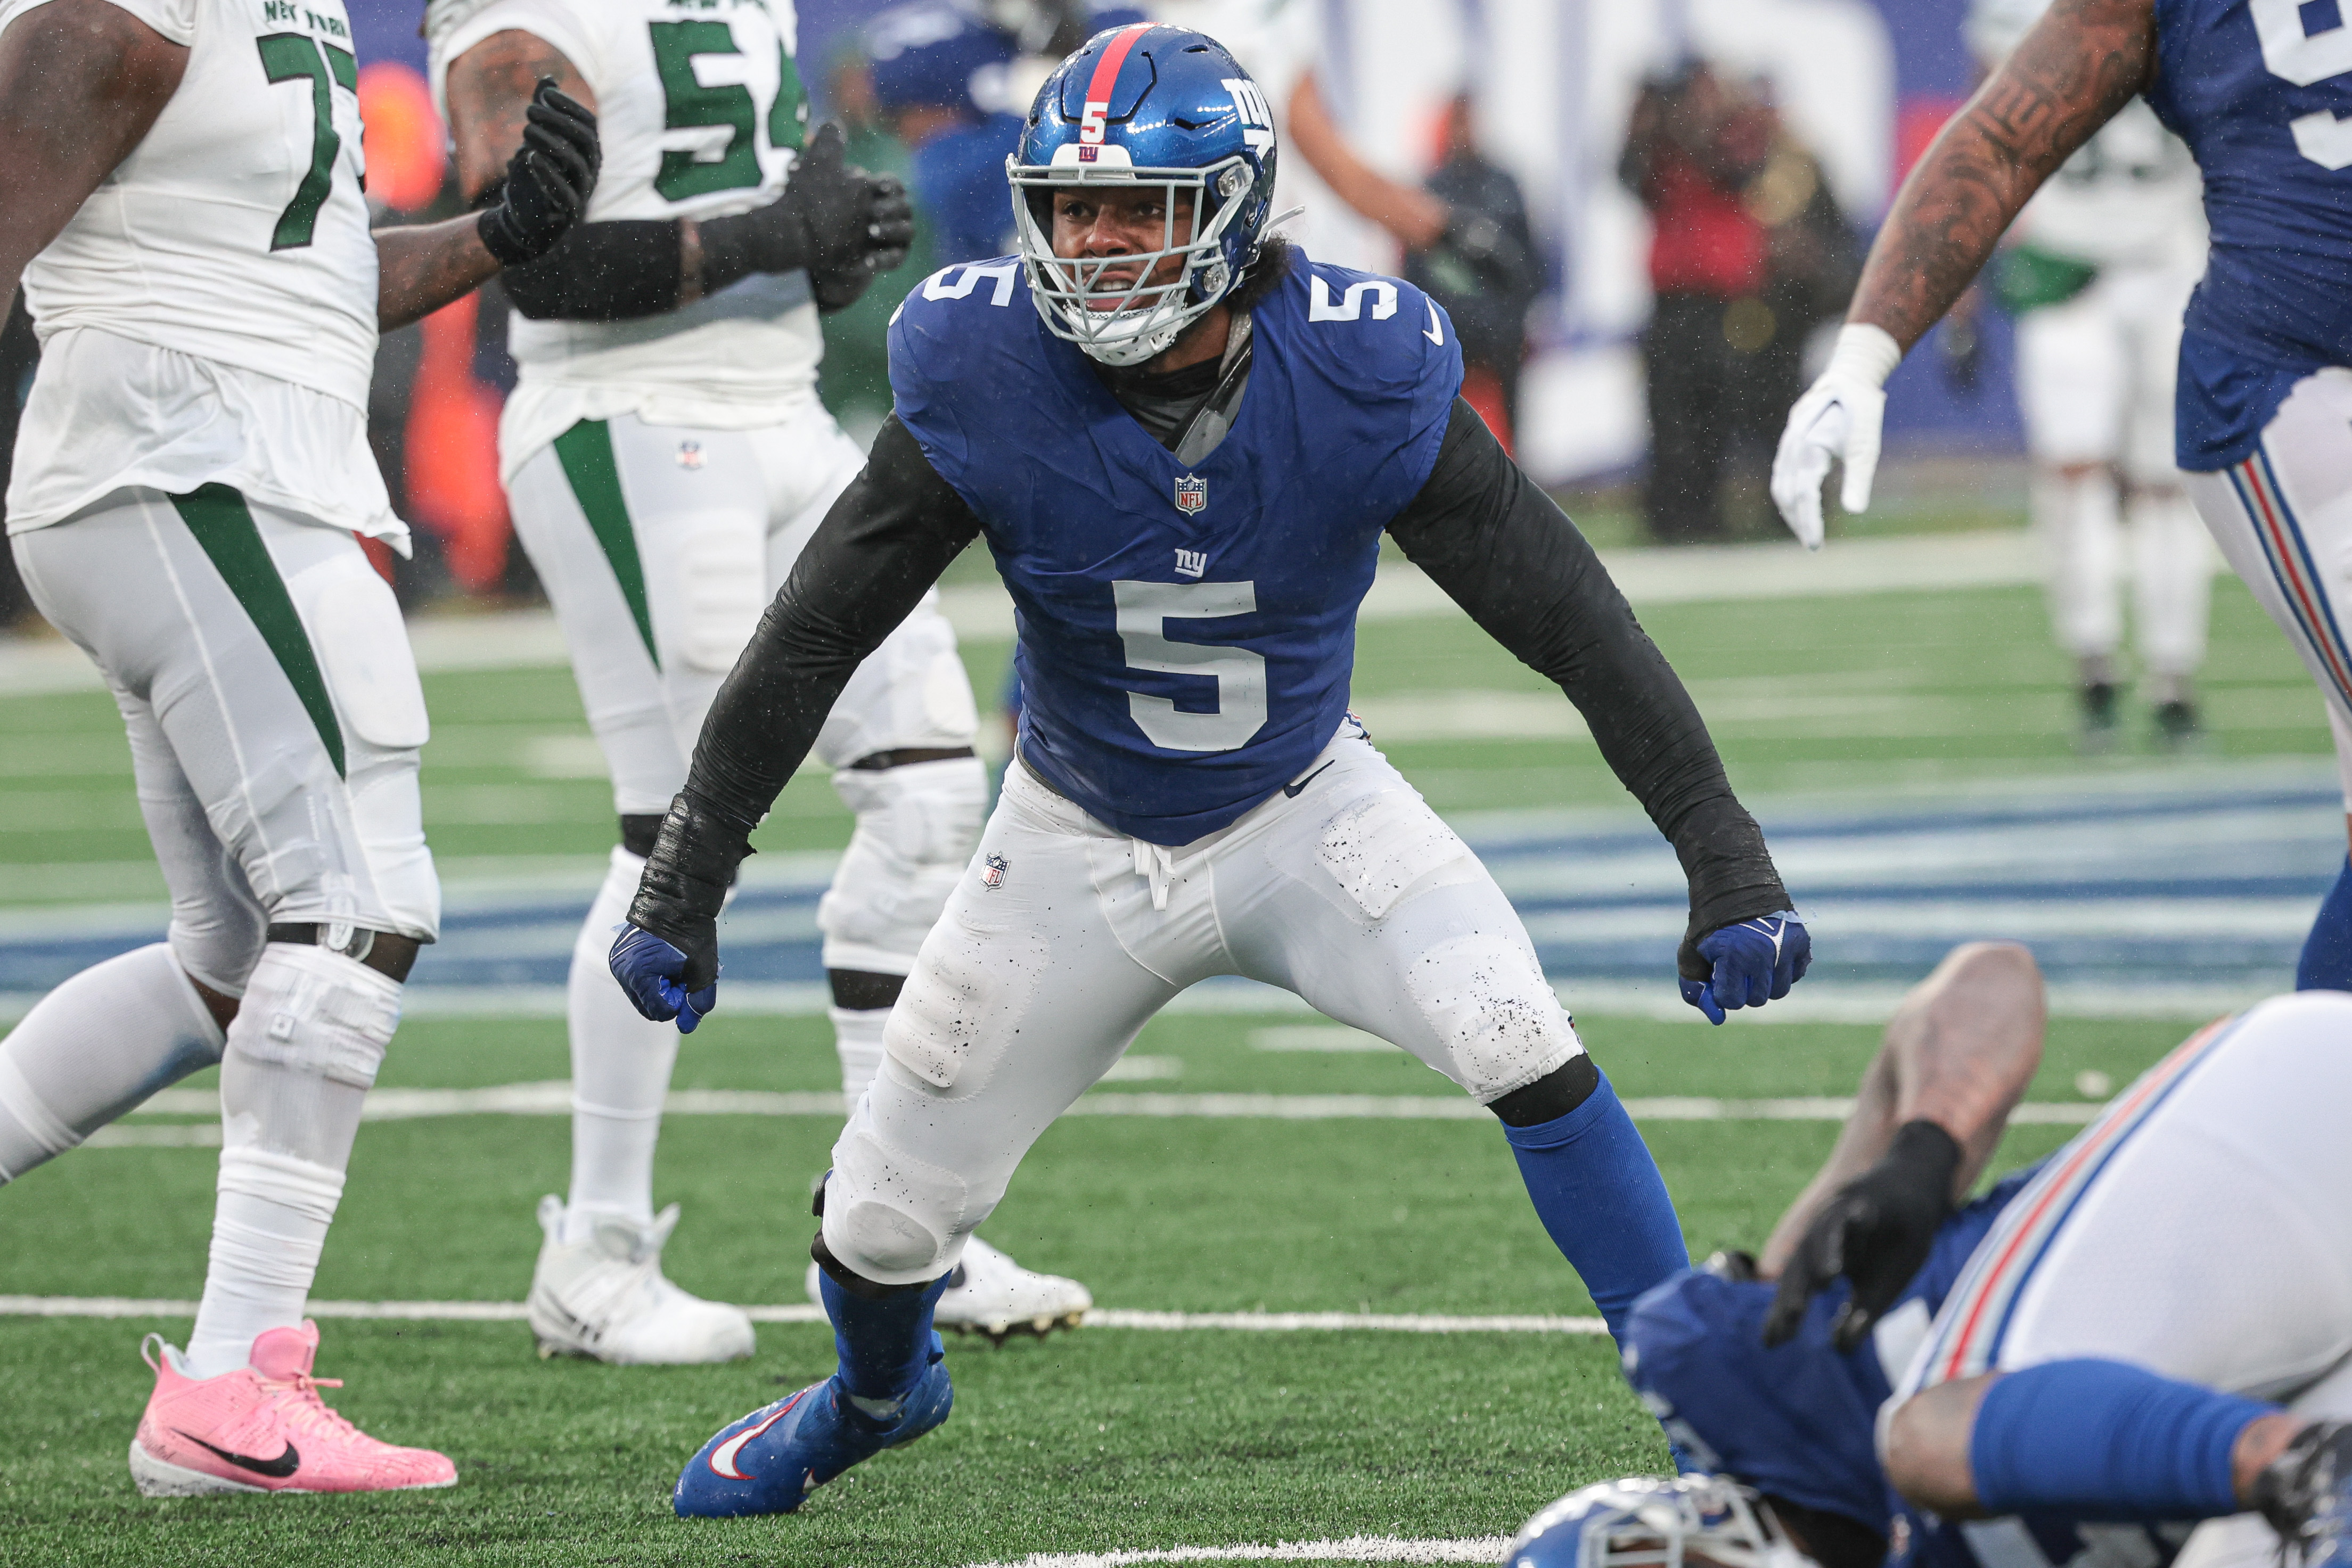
(1114, 55)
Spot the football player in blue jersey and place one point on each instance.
(2262, 92)
(1182, 441)
(2072, 1369)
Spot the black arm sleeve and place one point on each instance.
(885, 541)
(1507, 554)
(602, 272)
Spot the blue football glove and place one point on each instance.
(1755, 961)
(653, 972)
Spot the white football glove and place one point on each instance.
(1839, 417)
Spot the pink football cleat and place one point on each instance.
(263, 1428)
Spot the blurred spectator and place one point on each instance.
(1747, 254)
(1483, 269)
(940, 80)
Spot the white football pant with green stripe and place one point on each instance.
(660, 546)
(275, 718)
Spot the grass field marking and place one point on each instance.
(553, 1098)
(1354, 1549)
(809, 1313)
(1316, 1037)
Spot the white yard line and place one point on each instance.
(553, 1098)
(807, 1313)
(1353, 1549)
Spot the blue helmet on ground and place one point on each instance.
(1150, 106)
(1656, 1521)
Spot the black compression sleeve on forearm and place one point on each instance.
(1505, 553)
(735, 247)
(602, 272)
(885, 541)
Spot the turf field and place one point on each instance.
(1113, 1439)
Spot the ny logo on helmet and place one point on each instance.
(1257, 120)
(1192, 495)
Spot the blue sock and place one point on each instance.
(2103, 1440)
(1600, 1195)
(2326, 963)
(886, 1346)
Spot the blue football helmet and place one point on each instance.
(1145, 105)
(1655, 1521)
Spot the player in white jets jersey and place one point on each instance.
(2098, 271)
(666, 456)
(180, 198)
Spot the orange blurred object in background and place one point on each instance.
(407, 149)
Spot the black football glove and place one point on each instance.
(548, 181)
(889, 234)
(830, 220)
(1876, 1232)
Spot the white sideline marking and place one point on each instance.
(1354, 1549)
(808, 1312)
(553, 1098)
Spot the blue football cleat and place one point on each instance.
(770, 1460)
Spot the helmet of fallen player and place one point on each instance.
(1145, 105)
(1655, 1521)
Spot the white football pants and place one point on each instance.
(1063, 938)
(660, 546)
(2094, 382)
(2283, 517)
(273, 708)
(2197, 1229)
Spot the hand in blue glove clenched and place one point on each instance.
(656, 977)
(1755, 961)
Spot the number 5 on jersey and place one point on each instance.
(1144, 610)
(297, 57)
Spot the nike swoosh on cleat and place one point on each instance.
(278, 1468)
(1291, 789)
(722, 1457)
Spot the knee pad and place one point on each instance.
(890, 1218)
(916, 827)
(318, 1013)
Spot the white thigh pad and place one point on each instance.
(317, 1012)
(354, 622)
(967, 987)
(723, 582)
(1385, 847)
(916, 826)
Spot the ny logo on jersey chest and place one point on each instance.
(1192, 495)
(1192, 562)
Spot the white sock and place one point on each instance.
(858, 1038)
(95, 1046)
(621, 1063)
(269, 1226)
(301, 1055)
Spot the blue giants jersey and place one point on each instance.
(1799, 1422)
(2262, 92)
(1187, 632)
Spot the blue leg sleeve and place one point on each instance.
(885, 1346)
(1600, 1195)
(2100, 1439)
(2326, 964)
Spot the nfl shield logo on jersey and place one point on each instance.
(992, 870)
(1192, 495)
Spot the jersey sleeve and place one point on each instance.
(564, 27)
(174, 19)
(936, 355)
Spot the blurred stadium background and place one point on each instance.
(1894, 709)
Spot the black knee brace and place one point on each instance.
(861, 990)
(1550, 1097)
